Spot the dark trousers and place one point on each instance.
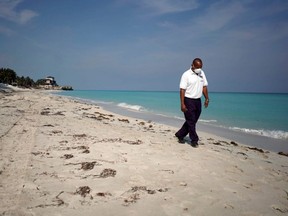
(191, 116)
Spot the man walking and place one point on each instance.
(192, 84)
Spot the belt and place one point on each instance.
(193, 98)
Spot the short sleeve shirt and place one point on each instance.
(193, 83)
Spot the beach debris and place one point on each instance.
(80, 147)
(257, 149)
(280, 209)
(184, 184)
(149, 191)
(109, 115)
(48, 125)
(137, 188)
(86, 151)
(283, 153)
(83, 191)
(59, 113)
(88, 165)
(107, 173)
(40, 153)
(57, 200)
(137, 142)
(88, 108)
(103, 194)
(99, 118)
(163, 190)
(221, 142)
(124, 120)
(45, 112)
(36, 153)
(242, 153)
(57, 132)
(68, 156)
(149, 128)
(79, 135)
(217, 143)
(84, 148)
(131, 199)
(136, 195)
(141, 123)
(104, 174)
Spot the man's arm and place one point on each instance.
(205, 93)
(182, 95)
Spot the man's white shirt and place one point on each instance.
(193, 83)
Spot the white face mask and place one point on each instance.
(197, 71)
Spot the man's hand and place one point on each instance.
(205, 92)
(182, 96)
(206, 103)
(183, 108)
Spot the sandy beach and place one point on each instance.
(60, 156)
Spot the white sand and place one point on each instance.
(62, 157)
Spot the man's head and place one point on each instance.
(197, 63)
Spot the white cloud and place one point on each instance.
(218, 15)
(26, 15)
(160, 7)
(8, 11)
(169, 6)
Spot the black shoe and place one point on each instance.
(180, 140)
(194, 144)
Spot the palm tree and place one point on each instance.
(7, 76)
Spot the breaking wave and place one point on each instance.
(277, 134)
(131, 107)
(207, 121)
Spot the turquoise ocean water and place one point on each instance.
(252, 113)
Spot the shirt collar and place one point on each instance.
(192, 72)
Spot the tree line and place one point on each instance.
(9, 76)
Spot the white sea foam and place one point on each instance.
(180, 118)
(131, 107)
(207, 121)
(277, 134)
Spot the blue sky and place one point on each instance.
(147, 44)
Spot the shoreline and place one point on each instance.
(235, 119)
(62, 156)
(263, 142)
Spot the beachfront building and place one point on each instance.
(47, 83)
(50, 81)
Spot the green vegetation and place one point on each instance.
(9, 76)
